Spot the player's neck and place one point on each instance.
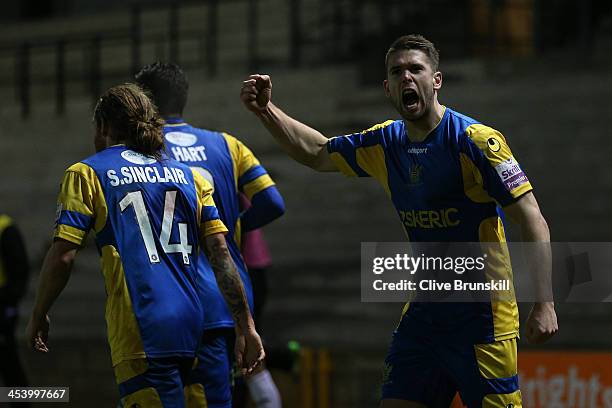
(419, 129)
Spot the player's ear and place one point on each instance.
(386, 88)
(437, 80)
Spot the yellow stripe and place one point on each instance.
(372, 160)
(404, 311)
(513, 400)
(472, 181)
(255, 186)
(522, 189)
(200, 185)
(204, 193)
(214, 227)
(129, 369)
(497, 360)
(503, 304)
(195, 397)
(123, 332)
(378, 126)
(70, 234)
(238, 234)
(342, 165)
(242, 157)
(232, 145)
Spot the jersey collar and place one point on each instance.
(433, 132)
(174, 121)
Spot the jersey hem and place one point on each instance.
(515, 198)
(67, 236)
(223, 324)
(136, 356)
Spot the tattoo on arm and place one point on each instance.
(229, 282)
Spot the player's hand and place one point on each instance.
(37, 333)
(249, 351)
(541, 322)
(256, 92)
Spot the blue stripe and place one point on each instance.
(251, 174)
(209, 213)
(75, 219)
(134, 384)
(502, 385)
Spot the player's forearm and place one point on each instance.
(267, 205)
(536, 238)
(303, 143)
(54, 276)
(230, 284)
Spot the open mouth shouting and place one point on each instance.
(410, 99)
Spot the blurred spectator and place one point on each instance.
(13, 283)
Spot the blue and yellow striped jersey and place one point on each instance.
(231, 168)
(447, 188)
(148, 217)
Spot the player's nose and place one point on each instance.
(407, 77)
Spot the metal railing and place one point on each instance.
(91, 45)
(320, 32)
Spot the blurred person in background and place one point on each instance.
(449, 177)
(14, 270)
(152, 217)
(232, 169)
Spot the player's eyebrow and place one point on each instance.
(395, 67)
(407, 65)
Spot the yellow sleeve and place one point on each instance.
(499, 172)
(75, 206)
(251, 177)
(210, 223)
(361, 154)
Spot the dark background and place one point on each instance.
(537, 70)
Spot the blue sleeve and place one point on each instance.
(266, 206)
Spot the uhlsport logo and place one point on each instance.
(181, 138)
(417, 150)
(493, 144)
(137, 158)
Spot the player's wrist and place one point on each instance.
(263, 112)
(544, 306)
(245, 326)
(38, 316)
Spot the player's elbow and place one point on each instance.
(534, 227)
(63, 253)
(321, 162)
